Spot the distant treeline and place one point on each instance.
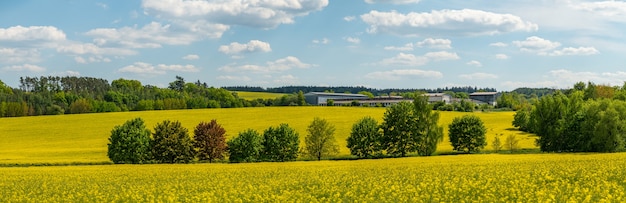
(355, 89)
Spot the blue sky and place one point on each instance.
(270, 43)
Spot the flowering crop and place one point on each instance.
(463, 178)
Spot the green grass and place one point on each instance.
(258, 95)
(83, 138)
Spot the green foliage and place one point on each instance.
(280, 143)
(467, 133)
(55, 110)
(330, 102)
(364, 139)
(411, 128)
(301, 99)
(511, 143)
(246, 147)
(320, 139)
(497, 143)
(130, 143)
(366, 93)
(16, 109)
(172, 143)
(81, 106)
(210, 141)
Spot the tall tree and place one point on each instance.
(280, 143)
(178, 84)
(320, 139)
(364, 139)
(467, 133)
(427, 121)
(399, 129)
(246, 147)
(172, 143)
(130, 143)
(210, 141)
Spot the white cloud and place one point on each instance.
(498, 44)
(406, 47)
(102, 5)
(322, 41)
(31, 33)
(252, 13)
(89, 48)
(287, 80)
(445, 22)
(353, 40)
(151, 35)
(234, 78)
(392, 1)
(403, 73)
(25, 67)
(17, 55)
(178, 68)
(474, 63)
(562, 78)
(435, 43)
(613, 9)
(141, 68)
(545, 47)
(191, 57)
(279, 65)
(250, 47)
(349, 18)
(91, 59)
(536, 45)
(502, 56)
(147, 69)
(403, 59)
(569, 51)
(441, 56)
(478, 76)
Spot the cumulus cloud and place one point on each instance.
(435, 43)
(562, 78)
(31, 33)
(24, 68)
(474, 63)
(403, 59)
(545, 47)
(406, 47)
(250, 47)
(88, 48)
(279, 65)
(287, 80)
(191, 57)
(349, 18)
(403, 73)
(392, 1)
(321, 41)
(152, 35)
(478, 76)
(91, 59)
(353, 40)
(234, 78)
(603, 8)
(445, 22)
(252, 13)
(19, 55)
(147, 69)
(498, 44)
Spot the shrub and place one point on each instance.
(467, 133)
(130, 143)
(364, 139)
(172, 143)
(246, 147)
(280, 143)
(210, 141)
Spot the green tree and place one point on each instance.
(411, 128)
(280, 143)
(301, 99)
(320, 139)
(330, 102)
(81, 106)
(172, 143)
(210, 141)
(130, 143)
(246, 147)
(178, 84)
(366, 93)
(497, 143)
(364, 139)
(467, 133)
(511, 143)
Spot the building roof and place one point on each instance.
(335, 94)
(434, 94)
(482, 93)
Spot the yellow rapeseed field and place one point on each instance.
(258, 95)
(83, 138)
(460, 178)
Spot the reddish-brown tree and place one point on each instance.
(210, 141)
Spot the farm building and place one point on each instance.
(486, 97)
(320, 98)
(438, 97)
(376, 101)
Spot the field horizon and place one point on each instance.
(83, 138)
